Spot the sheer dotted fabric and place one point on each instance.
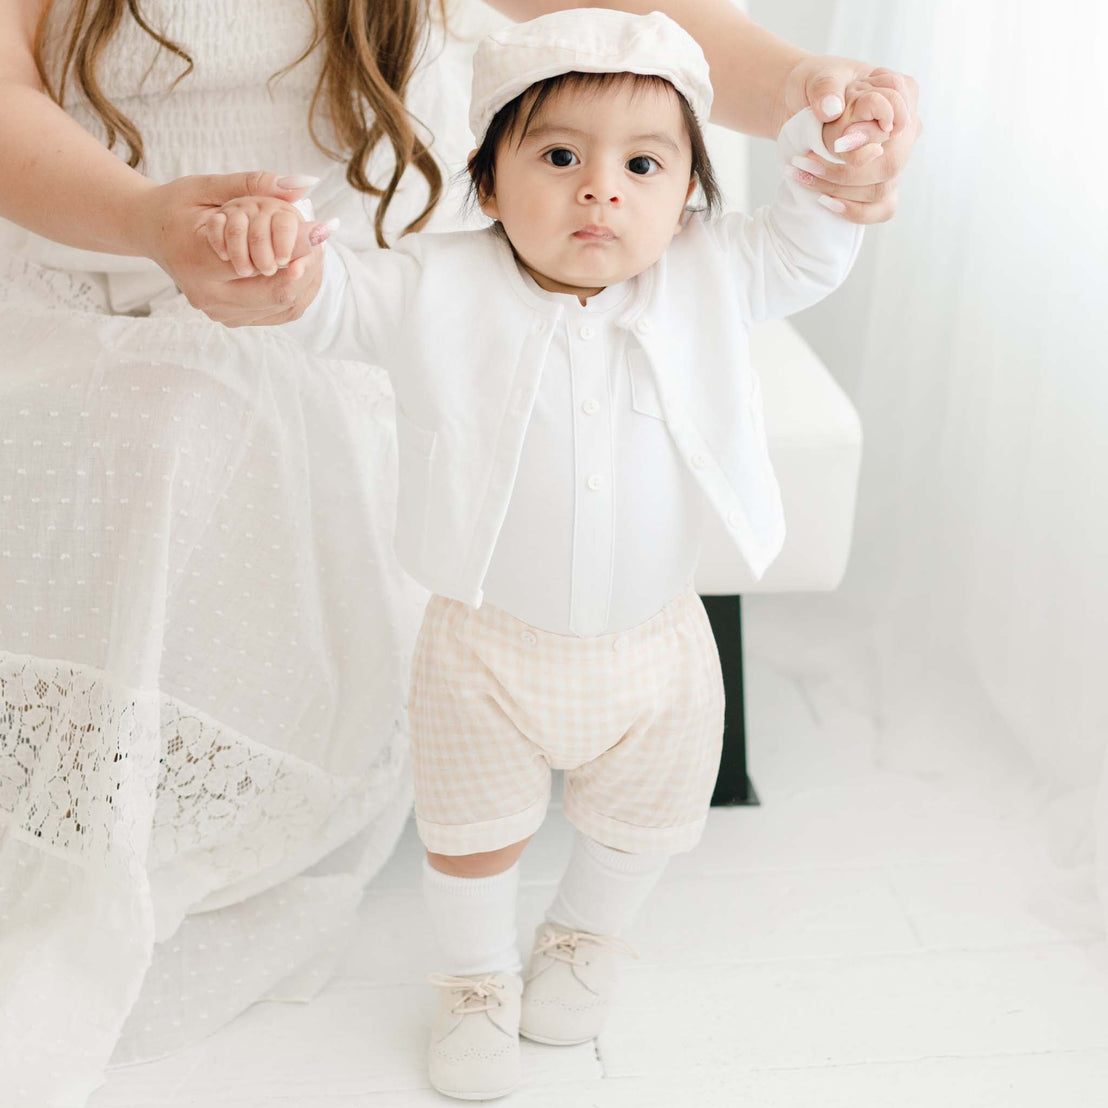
(204, 633)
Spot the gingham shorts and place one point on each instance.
(635, 718)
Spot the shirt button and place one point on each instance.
(591, 406)
(699, 461)
(529, 638)
(594, 482)
(620, 645)
(643, 325)
(586, 332)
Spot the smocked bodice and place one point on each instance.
(231, 111)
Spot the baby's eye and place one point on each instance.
(643, 166)
(560, 156)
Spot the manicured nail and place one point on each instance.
(807, 165)
(297, 181)
(831, 204)
(323, 232)
(850, 141)
(799, 176)
(831, 106)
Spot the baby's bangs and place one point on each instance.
(532, 99)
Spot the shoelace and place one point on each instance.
(478, 994)
(561, 944)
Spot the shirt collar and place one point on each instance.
(601, 303)
(643, 288)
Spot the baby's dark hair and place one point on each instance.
(517, 115)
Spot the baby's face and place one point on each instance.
(595, 192)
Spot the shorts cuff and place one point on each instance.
(627, 836)
(478, 838)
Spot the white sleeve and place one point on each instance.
(359, 308)
(792, 252)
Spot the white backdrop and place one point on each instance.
(973, 620)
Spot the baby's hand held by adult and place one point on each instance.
(262, 235)
(170, 224)
(855, 100)
(868, 120)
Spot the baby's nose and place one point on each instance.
(599, 190)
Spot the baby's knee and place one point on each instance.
(486, 864)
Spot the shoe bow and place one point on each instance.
(476, 994)
(561, 943)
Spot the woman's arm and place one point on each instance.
(55, 178)
(58, 181)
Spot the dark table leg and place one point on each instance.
(733, 785)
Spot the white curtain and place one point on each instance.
(972, 339)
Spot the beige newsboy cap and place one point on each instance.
(585, 40)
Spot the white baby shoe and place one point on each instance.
(474, 1053)
(568, 985)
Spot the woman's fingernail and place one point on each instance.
(297, 181)
(850, 141)
(832, 106)
(799, 176)
(831, 204)
(323, 232)
(807, 165)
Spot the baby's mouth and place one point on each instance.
(595, 232)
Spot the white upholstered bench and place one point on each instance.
(815, 442)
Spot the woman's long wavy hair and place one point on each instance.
(371, 48)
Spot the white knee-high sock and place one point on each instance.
(474, 920)
(603, 889)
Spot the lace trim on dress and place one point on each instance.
(245, 807)
(90, 769)
(77, 767)
(25, 285)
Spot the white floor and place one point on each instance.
(881, 931)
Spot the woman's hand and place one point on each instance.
(867, 185)
(172, 230)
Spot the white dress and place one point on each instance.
(204, 633)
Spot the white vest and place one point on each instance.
(464, 341)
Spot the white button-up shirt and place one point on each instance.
(599, 482)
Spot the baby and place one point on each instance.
(574, 402)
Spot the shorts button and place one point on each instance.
(529, 637)
(594, 481)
